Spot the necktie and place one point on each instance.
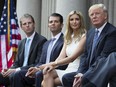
(26, 54)
(49, 50)
(94, 44)
(95, 39)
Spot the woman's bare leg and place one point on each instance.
(48, 80)
(57, 82)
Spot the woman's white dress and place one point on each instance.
(73, 66)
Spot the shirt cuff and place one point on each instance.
(17, 69)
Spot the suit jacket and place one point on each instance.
(34, 53)
(55, 51)
(105, 45)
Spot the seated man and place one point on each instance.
(100, 42)
(25, 57)
(49, 53)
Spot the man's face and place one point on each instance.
(54, 24)
(27, 26)
(98, 17)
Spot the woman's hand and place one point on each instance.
(47, 69)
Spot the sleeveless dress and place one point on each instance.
(72, 66)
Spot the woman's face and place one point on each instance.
(74, 22)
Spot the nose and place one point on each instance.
(74, 21)
(27, 24)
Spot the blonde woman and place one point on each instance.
(73, 47)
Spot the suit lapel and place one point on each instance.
(45, 51)
(23, 51)
(58, 41)
(56, 44)
(92, 37)
(102, 35)
(91, 43)
(33, 43)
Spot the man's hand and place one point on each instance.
(31, 71)
(77, 80)
(7, 72)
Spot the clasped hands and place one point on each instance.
(7, 72)
(77, 80)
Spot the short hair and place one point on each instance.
(57, 15)
(102, 6)
(27, 16)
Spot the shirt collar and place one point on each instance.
(57, 36)
(31, 37)
(101, 28)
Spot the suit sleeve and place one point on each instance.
(83, 62)
(17, 61)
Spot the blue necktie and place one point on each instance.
(49, 50)
(95, 39)
(26, 54)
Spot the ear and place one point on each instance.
(62, 25)
(106, 16)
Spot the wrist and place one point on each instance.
(56, 63)
(38, 68)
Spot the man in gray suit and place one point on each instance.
(23, 60)
(55, 23)
(96, 51)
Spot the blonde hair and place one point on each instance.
(69, 30)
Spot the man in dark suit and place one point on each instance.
(23, 60)
(55, 23)
(96, 50)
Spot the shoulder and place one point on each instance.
(109, 29)
(22, 41)
(83, 35)
(61, 38)
(39, 37)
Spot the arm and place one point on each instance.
(32, 70)
(77, 53)
(62, 60)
